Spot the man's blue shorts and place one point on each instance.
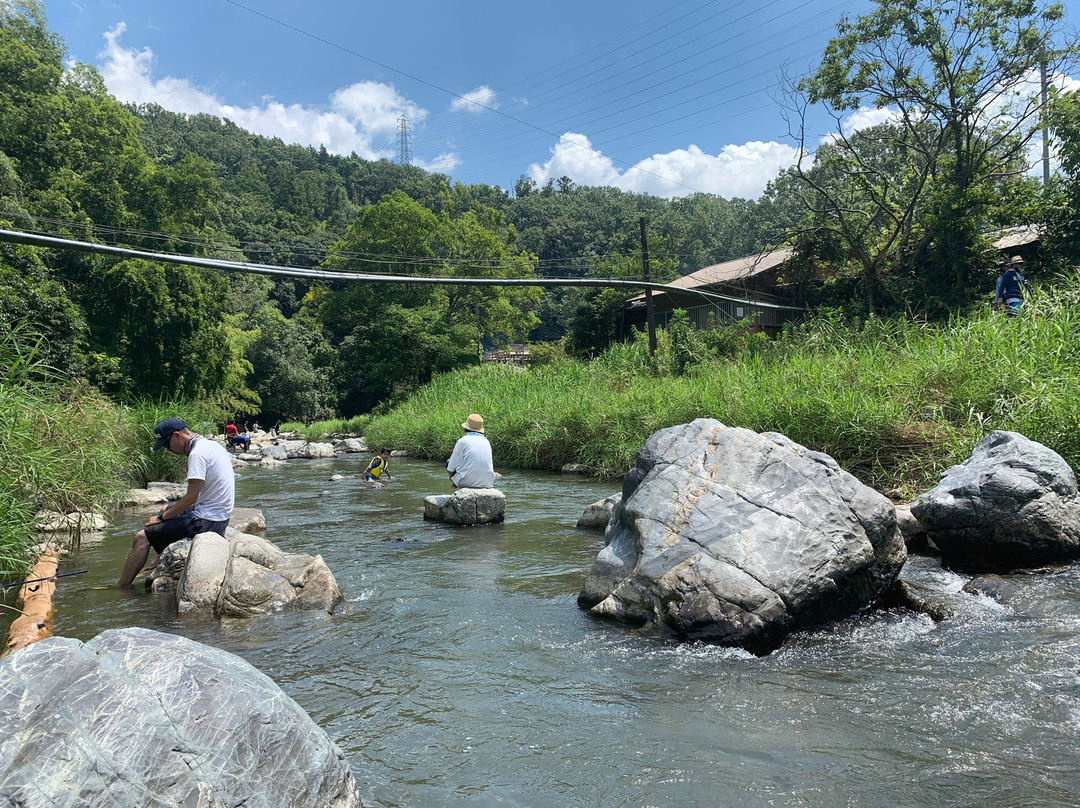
(184, 526)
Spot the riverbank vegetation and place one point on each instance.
(894, 401)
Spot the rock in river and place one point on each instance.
(466, 506)
(137, 717)
(242, 576)
(736, 538)
(1012, 504)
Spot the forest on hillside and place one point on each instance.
(894, 218)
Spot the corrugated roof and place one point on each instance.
(731, 271)
(728, 272)
(1018, 237)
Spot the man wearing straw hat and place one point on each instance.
(1011, 285)
(470, 464)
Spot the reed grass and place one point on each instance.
(62, 445)
(893, 401)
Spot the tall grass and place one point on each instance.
(62, 445)
(894, 401)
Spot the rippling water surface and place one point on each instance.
(460, 671)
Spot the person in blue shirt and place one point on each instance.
(1011, 286)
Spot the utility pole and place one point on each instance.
(404, 144)
(1045, 131)
(650, 313)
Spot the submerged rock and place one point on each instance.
(736, 538)
(466, 506)
(137, 717)
(1012, 504)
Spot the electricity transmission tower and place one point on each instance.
(404, 141)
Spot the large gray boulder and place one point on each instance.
(1012, 504)
(736, 538)
(136, 717)
(466, 506)
(242, 576)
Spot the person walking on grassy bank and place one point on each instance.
(206, 507)
(1011, 286)
(470, 464)
(379, 465)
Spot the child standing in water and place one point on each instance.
(378, 466)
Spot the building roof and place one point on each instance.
(733, 271)
(1018, 237)
(727, 273)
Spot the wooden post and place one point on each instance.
(650, 312)
(37, 605)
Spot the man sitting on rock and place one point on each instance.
(470, 464)
(206, 507)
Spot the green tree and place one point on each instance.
(394, 336)
(951, 72)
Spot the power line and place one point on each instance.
(39, 240)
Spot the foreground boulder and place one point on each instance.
(136, 717)
(736, 538)
(466, 506)
(1012, 504)
(243, 576)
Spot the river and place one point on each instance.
(459, 670)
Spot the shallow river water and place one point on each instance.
(459, 670)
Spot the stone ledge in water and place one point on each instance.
(597, 515)
(76, 521)
(137, 717)
(466, 506)
(157, 493)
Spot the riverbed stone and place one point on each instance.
(138, 717)
(353, 446)
(242, 576)
(466, 506)
(315, 451)
(200, 583)
(576, 468)
(274, 452)
(247, 520)
(736, 538)
(913, 531)
(597, 515)
(1012, 504)
(76, 521)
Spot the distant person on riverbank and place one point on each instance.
(1011, 286)
(275, 430)
(470, 464)
(206, 507)
(379, 466)
(233, 438)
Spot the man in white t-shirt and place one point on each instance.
(207, 505)
(470, 464)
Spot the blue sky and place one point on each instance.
(665, 98)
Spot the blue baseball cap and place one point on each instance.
(165, 430)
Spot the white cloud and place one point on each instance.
(361, 117)
(738, 170)
(475, 101)
(442, 164)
